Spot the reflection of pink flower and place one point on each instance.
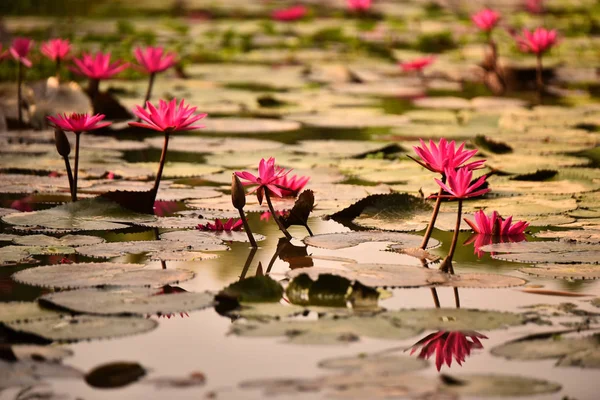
(218, 226)
(359, 5)
(56, 49)
(292, 186)
(486, 19)
(479, 240)
(417, 64)
(154, 59)
(78, 122)
(170, 315)
(445, 155)
(23, 204)
(268, 176)
(447, 345)
(458, 184)
(290, 14)
(54, 174)
(20, 49)
(97, 66)
(538, 41)
(266, 216)
(496, 225)
(168, 117)
(164, 208)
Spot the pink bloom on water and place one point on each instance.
(56, 49)
(165, 208)
(458, 184)
(495, 225)
(507, 228)
(78, 122)
(292, 186)
(168, 117)
(534, 6)
(268, 176)
(229, 226)
(538, 41)
(154, 59)
(486, 19)
(20, 49)
(98, 66)
(359, 5)
(445, 155)
(447, 345)
(290, 14)
(417, 64)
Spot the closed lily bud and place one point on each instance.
(238, 194)
(62, 143)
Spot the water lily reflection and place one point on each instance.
(479, 240)
(448, 345)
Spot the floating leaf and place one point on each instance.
(126, 301)
(115, 375)
(201, 241)
(49, 241)
(582, 236)
(562, 271)
(496, 385)
(37, 353)
(546, 252)
(83, 275)
(492, 146)
(335, 241)
(22, 311)
(301, 210)
(12, 255)
(255, 126)
(27, 373)
(342, 148)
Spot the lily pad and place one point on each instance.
(196, 240)
(50, 241)
(82, 275)
(127, 301)
(23, 311)
(335, 241)
(255, 126)
(38, 353)
(477, 385)
(546, 252)
(27, 373)
(562, 271)
(13, 254)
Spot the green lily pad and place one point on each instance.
(50, 241)
(478, 385)
(82, 275)
(335, 241)
(23, 311)
(562, 271)
(581, 236)
(349, 119)
(452, 319)
(248, 125)
(126, 301)
(191, 144)
(341, 148)
(546, 252)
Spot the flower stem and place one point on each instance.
(57, 72)
(248, 262)
(275, 216)
(77, 137)
(447, 263)
(149, 91)
(93, 90)
(19, 94)
(70, 176)
(161, 165)
(456, 298)
(436, 210)
(247, 228)
(539, 79)
(308, 229)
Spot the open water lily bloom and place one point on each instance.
(448, 345)
(445, 155)
(496, 225)
(458, 184)
(168, 117)
(154, 59)
(20, 49)
(78, 122)
(417, 64)
(538, 41)
(486, 19)
(229, 226)
(359, 5)
(56, 49)
(292, 186)
(98, 66)
(268, 176)
(290, 14)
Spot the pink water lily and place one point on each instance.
(154, 59)
(445, 155)
(78, 122)
(448, 345)
(534, 6)
(229, 226)
(458, 184)
(20, 49)
(538, 41)
(486, 19)
(292, 186)
(484, 224)
(168, 117)
(417, 64)
(290, 14)
(359, 5)
(98, 66)
(268, 176)
(56, 49)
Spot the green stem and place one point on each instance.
(436, 210)
(247, 228)
(447, 263)
(20, 94)
(248, 262)
(149, 91)
(70, 176)
(275, 216)
(93, 90)
(161, 165)
(57, 73)
(76, 173)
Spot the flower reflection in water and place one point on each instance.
(448, 345)
(479, 240)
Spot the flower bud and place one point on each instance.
(238, 194)
(62, 143)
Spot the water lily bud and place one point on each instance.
(238, 194)
(62, 143)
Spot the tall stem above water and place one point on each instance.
(436, 210)
(20, 95)
(76, 172)
(447, 263)
(161, 165)
(275, 216)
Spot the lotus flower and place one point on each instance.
(168, 117)
(417, 64)
(78, 122)
(98, 66)
(154, 59)
(444, 155)
(229, 226)
(538, 41)
(486, 19)
(56, 49)
(496, 225)
(290, 14)
(534, 6)
(359, 5)
(447, 345)
(268, 176)
(459, 184)
(20, 49)
(292, 186)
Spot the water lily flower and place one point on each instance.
(459, 185)
(538, 41)
(20, 49)
(534, 6)
(56, 49)
(165, 208)
(486, 19)
(78, 123)
(168, 117)
(290, 14)
(496, 225)
(507, 228)
(448, 345)
(230, 226)
(359, 5)
(445, 155)
(417, 64)
(268, 176)
(154, 59)
(292, 186)
(98, 66)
